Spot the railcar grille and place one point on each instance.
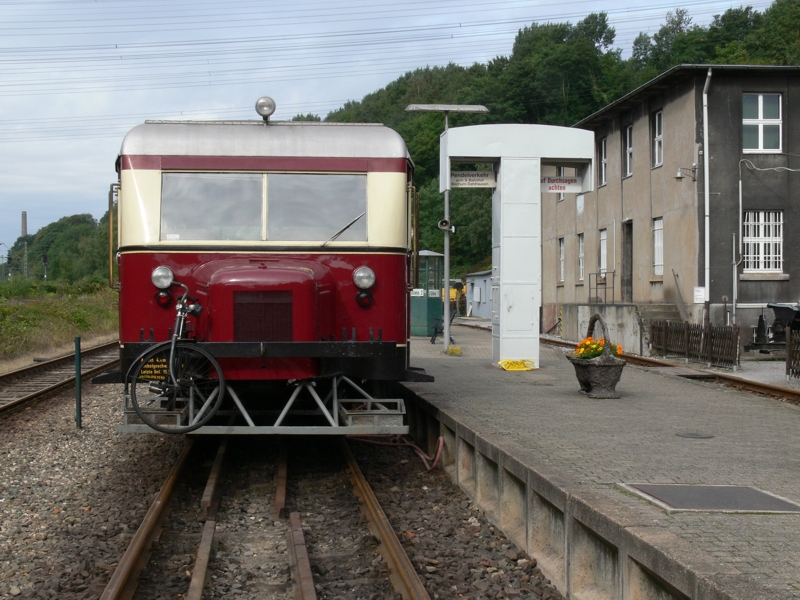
(262, 316)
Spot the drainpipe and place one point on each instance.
(737, 261)
(706, 186)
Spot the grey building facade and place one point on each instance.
(479, 294)
(696, 198)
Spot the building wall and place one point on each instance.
(629, 204)
(761, 190)
(621, 320)
(481, 302)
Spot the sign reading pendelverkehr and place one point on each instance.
(472, 179)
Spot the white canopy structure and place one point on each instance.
(518, 153)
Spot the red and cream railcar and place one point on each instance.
(294, 237)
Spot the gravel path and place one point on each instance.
(71, 500)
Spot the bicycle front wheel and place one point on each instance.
(178, 397)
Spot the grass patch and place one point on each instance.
(39, 319)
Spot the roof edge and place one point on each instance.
(676, 69)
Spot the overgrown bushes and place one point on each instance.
(35, 316)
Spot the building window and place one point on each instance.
(603, 151)
(581, 257)
(761, 123)
(629, 150)
(763, 241)
(658, 246)
(603, 252)
(561, 259)
(560, 172)
(658, 139)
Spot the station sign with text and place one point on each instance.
(472, 179)
(562, 184)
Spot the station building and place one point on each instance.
(696, 192)
(479, 294)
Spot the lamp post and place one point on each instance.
(447, 109)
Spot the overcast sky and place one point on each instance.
(76, 75)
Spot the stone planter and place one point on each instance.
(600, 375)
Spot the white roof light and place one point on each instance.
(265, 106)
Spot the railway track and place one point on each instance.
(684, 370)
(238, 524)
(27, 384)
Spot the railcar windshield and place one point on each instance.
(211, 206)
(234, 206)
(315, 207)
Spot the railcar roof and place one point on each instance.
(257, 138)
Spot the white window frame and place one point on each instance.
(561, 259)
(658, 246)
(628, 150)
(561, 172)
(603, 161)
(658, 138)
(762, 241)
(603, 255)
(581, 257)
(760, 122)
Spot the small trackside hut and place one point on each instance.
(264, 272)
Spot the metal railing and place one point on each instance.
(714, 345)
(600, 284)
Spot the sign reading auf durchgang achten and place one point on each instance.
(569, 184)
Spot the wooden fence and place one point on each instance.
(713, 345)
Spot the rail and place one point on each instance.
(125, 578)
(129, 563)
(402, 573)
(19, 387)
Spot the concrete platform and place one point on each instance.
(549, 465)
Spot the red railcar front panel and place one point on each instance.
(260, 297)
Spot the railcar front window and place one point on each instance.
(211, 206)
(314, 207)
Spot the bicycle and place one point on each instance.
(176, 386)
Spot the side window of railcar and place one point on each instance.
(310, 207)
(211, 206)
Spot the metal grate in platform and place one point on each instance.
(721, 498)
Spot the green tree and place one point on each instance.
(776, 39)
(309, 117)
(76, 248)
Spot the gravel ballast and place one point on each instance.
(458, 553)
(72, 499)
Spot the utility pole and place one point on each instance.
(24, 235)
(7, 257)
(444, 224)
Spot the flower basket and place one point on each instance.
(600, 375)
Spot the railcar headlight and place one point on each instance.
(364, 278)
(162, 277)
